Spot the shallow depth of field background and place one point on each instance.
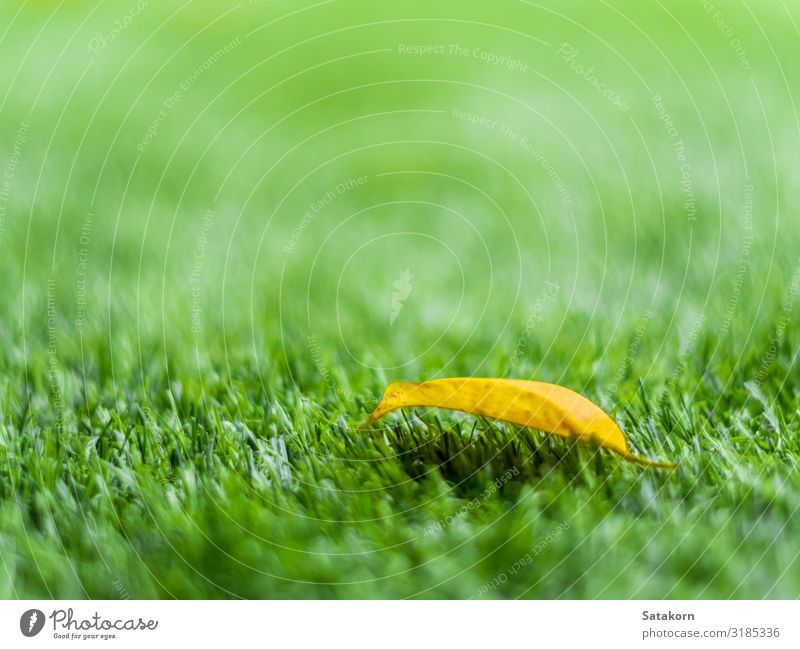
(224, 228)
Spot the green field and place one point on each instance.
(224, 229)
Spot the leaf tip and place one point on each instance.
(653, 464)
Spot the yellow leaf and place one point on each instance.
(544, 406)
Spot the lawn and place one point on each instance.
(225, 228)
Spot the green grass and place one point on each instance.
(185, 360)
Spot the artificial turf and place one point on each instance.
(225, 229)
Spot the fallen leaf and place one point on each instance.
(544, 406)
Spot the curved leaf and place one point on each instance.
(544, 406)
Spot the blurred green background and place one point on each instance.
(224, 228)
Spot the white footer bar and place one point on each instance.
(407, 624)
